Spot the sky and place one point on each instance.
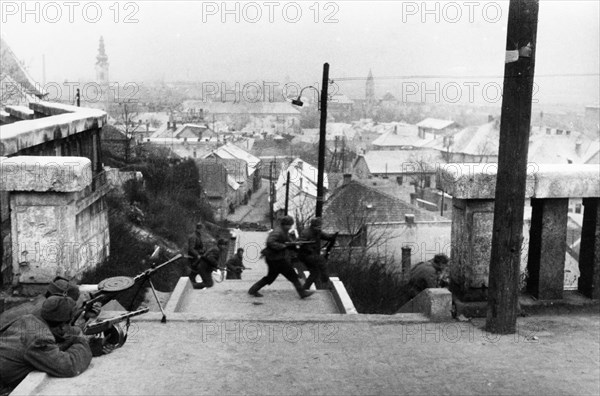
(282, 41)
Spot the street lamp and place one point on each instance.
(322, 135)
(298, 102)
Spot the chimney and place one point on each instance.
(168, 125)
(409, 218)
(174, 125)
(490, 118)
(395, 129)
(405, 262)
(147, 127)
(578, 146)
(347, 178)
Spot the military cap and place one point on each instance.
(287, 220)
(58, 309)
(62, 287)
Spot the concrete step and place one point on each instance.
(232, 296)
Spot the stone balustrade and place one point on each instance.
(52, 188)
(548, 189)
(52, 232)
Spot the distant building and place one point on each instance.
(417, 167)
(435, 127)
(340, 107)
(261, 117)
(253, 164)
(370, 219)
(302, 196)
(401, 137)
(220, 187)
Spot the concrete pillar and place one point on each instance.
(473, 186)
(472, 221)
(547, 248)
(589, 251)
(57, 226)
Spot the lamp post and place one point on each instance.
(322, 136)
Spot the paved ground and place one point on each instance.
(257, 210)
(224, 344)
(231, 296)
(215, 356)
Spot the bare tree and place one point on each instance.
(419, 169)
(359, 230)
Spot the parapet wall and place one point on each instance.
(53, 215)
(56, 229)
(548, 189)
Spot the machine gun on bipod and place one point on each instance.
(111, 288)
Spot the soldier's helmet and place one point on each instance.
(287, 220)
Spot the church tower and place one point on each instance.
(101, 65)
(370, 96)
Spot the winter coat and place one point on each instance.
(27, 344)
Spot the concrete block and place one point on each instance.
(564, 181)
(45, 174)
(341, 296)
(435, 303)
(478, 180)
(473, 180)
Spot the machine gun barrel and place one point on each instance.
(103, 325)
(152, 270)
(103, 297)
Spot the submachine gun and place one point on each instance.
(111, 288)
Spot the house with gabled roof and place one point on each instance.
(406, 166)
(436, 127)
(401, 137)
(302, 196)
(221, 189)
(374, 220)
(253, 164)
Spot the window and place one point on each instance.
(578, 208)
(399, 180)
(548, 131)
(427, 181)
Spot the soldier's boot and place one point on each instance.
(303, 293)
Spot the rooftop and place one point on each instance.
(434, 123)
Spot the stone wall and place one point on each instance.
(52, 187)
(59, 226)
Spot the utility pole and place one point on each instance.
(509, 203)
(271, 195)
(287, 193)
(322, 137)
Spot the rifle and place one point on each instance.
(111, 288)
(109, 329)
(329, 245)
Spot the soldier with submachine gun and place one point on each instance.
(60, 339)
